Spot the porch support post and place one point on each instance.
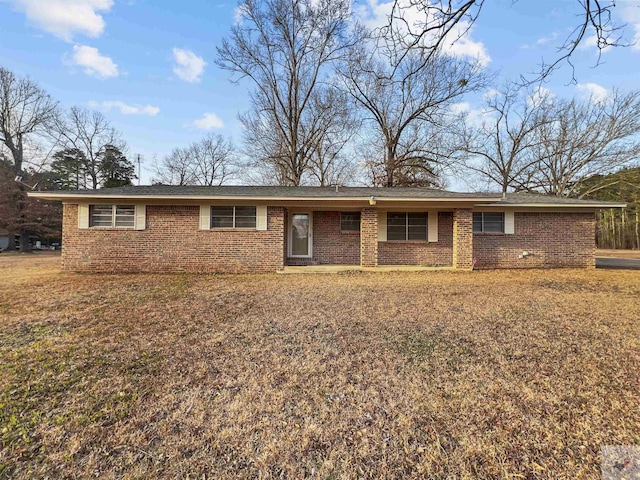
(369, 237)
(463, 239)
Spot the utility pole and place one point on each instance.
(139, 170)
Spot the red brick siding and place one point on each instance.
(552, 239)
(172, 242)
(438, 253)
(330, 245)
(369, 237)
(463, 239)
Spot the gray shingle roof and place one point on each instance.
(533, 198)
(325, 193)
(295, 192)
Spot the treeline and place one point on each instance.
(49, 148)
(618, 228)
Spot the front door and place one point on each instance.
(300, 235)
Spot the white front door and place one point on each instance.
(300, 235)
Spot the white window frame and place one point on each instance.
(114, 208)
(481, 231)
(406, 226)
(211, 227)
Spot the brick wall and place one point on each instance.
(172, 242)
(438, 253)
(369, 237)
(552, 239)
(330, 245)
(463, 239)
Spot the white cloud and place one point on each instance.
(591, 43)
(593, 91)
(93, 62)
(543, 41)
(65, 18)
(473, 116)
(631, 16)
(208, 122)
(238, 14)
(459, 41)
(126, 109)
(187, 65)
(490, 93)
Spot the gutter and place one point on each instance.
(557, 205)
(197, 198)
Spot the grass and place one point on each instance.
(396, 375)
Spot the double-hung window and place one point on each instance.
(233, 217)
(407, 226)
(113, 216)
(349, 222)
(488, 222)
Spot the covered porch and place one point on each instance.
(371, 239)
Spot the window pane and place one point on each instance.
(221, 222)
(396, 219)
(350, 222)
(101, 221)
(245, 217)
(417, 232)
(245, 212)
(125, 215)
(493, 222)
(221, 217)
(245, 222)
(300, 234)
(477, 222)
(417, 219)
(396, 232)
(493, 227)
(101, 215)
(122, 221)
(222, 211)
(102, 209)
(125, 210)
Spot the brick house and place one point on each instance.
(262, 229)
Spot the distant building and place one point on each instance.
(4, 239)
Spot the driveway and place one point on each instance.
(618, 263)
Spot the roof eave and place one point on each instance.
(558, 205)
(197, 198)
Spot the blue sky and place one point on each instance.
(149, 64)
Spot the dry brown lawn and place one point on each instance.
(502, 374)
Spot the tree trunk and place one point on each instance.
(24, 242)
(637, 232)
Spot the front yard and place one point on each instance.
(396, 375)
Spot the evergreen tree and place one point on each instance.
(68, 170)
(114, 168)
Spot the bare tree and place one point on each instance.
(444, 22)
(503, 148)
(406, 99)
(25, 111)
(175, 168)
(208, 162)
(285, 48)
(90, 133)
(331, 163)
(212, 160)
(587, 138)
